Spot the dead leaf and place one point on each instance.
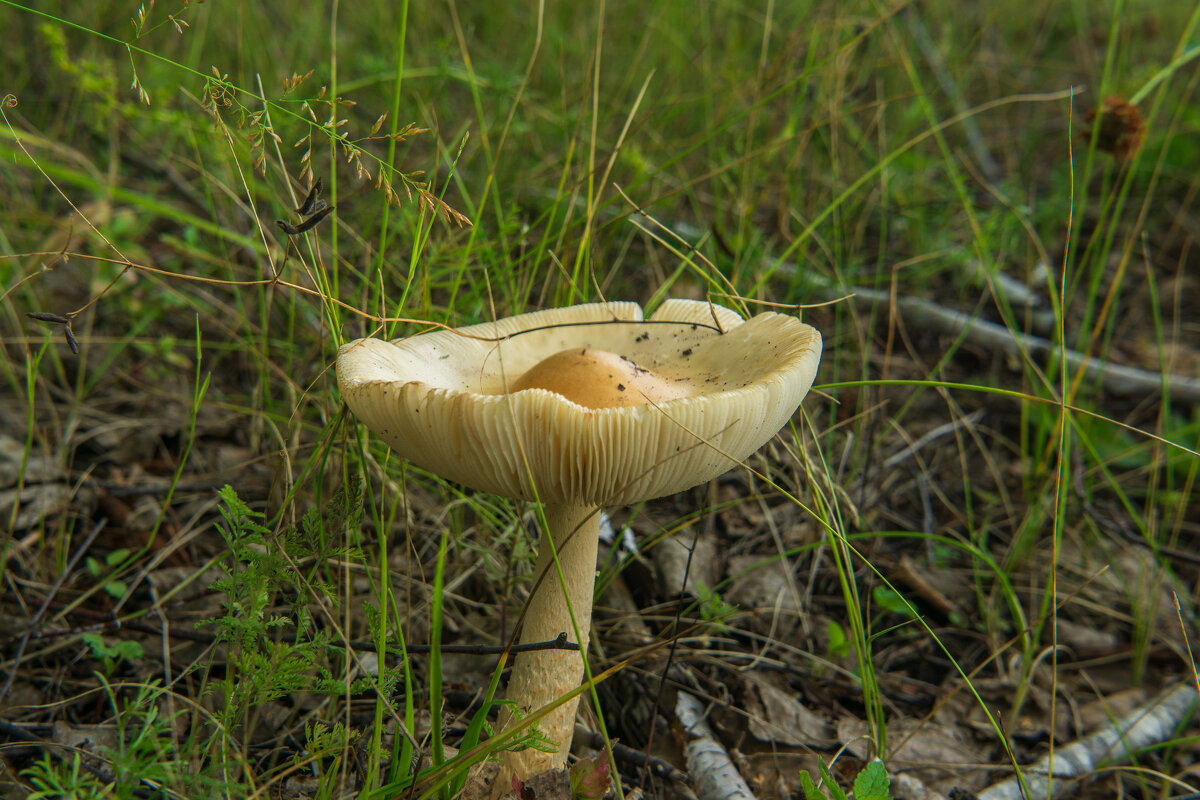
(93, 740)
(913, 743)
(590, 778)
(1087, 641)
(777, 715)
(939, 588)
(909, 787)
(684, 563)
(766, 587)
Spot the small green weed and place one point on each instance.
(112, 563)
(64, 780)
(145, 754)
(111, 655)
(890, 600)
(713, 607)
(141, 763)
(264, 663)
(839, 643)
(872, 783)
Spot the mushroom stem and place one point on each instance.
(543, 676)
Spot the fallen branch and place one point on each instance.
(712, 772)
(1115, 378)
(1031, 306)
(1135, 731)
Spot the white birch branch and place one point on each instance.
(712, 772)
(1136, 730)
(1115, 378)
(1025, 303)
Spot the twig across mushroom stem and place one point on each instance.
(542, 677)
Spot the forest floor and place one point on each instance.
(975, 545)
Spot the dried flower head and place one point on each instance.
(1121, 128)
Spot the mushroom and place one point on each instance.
(579, 408)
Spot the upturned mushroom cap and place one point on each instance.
(591, 404)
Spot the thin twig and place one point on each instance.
(933, 435)
(559, 643)
(1118, 379)
(630, 755)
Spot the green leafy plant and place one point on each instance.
(872, 783)
(839, 644)
(890, 600)
(713, 608)
(111, 564)
(275, 654)
(145, 754)
(63, 780)
(142, 761)
(329, 744)
(111, 655)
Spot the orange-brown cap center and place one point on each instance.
(600, 379)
